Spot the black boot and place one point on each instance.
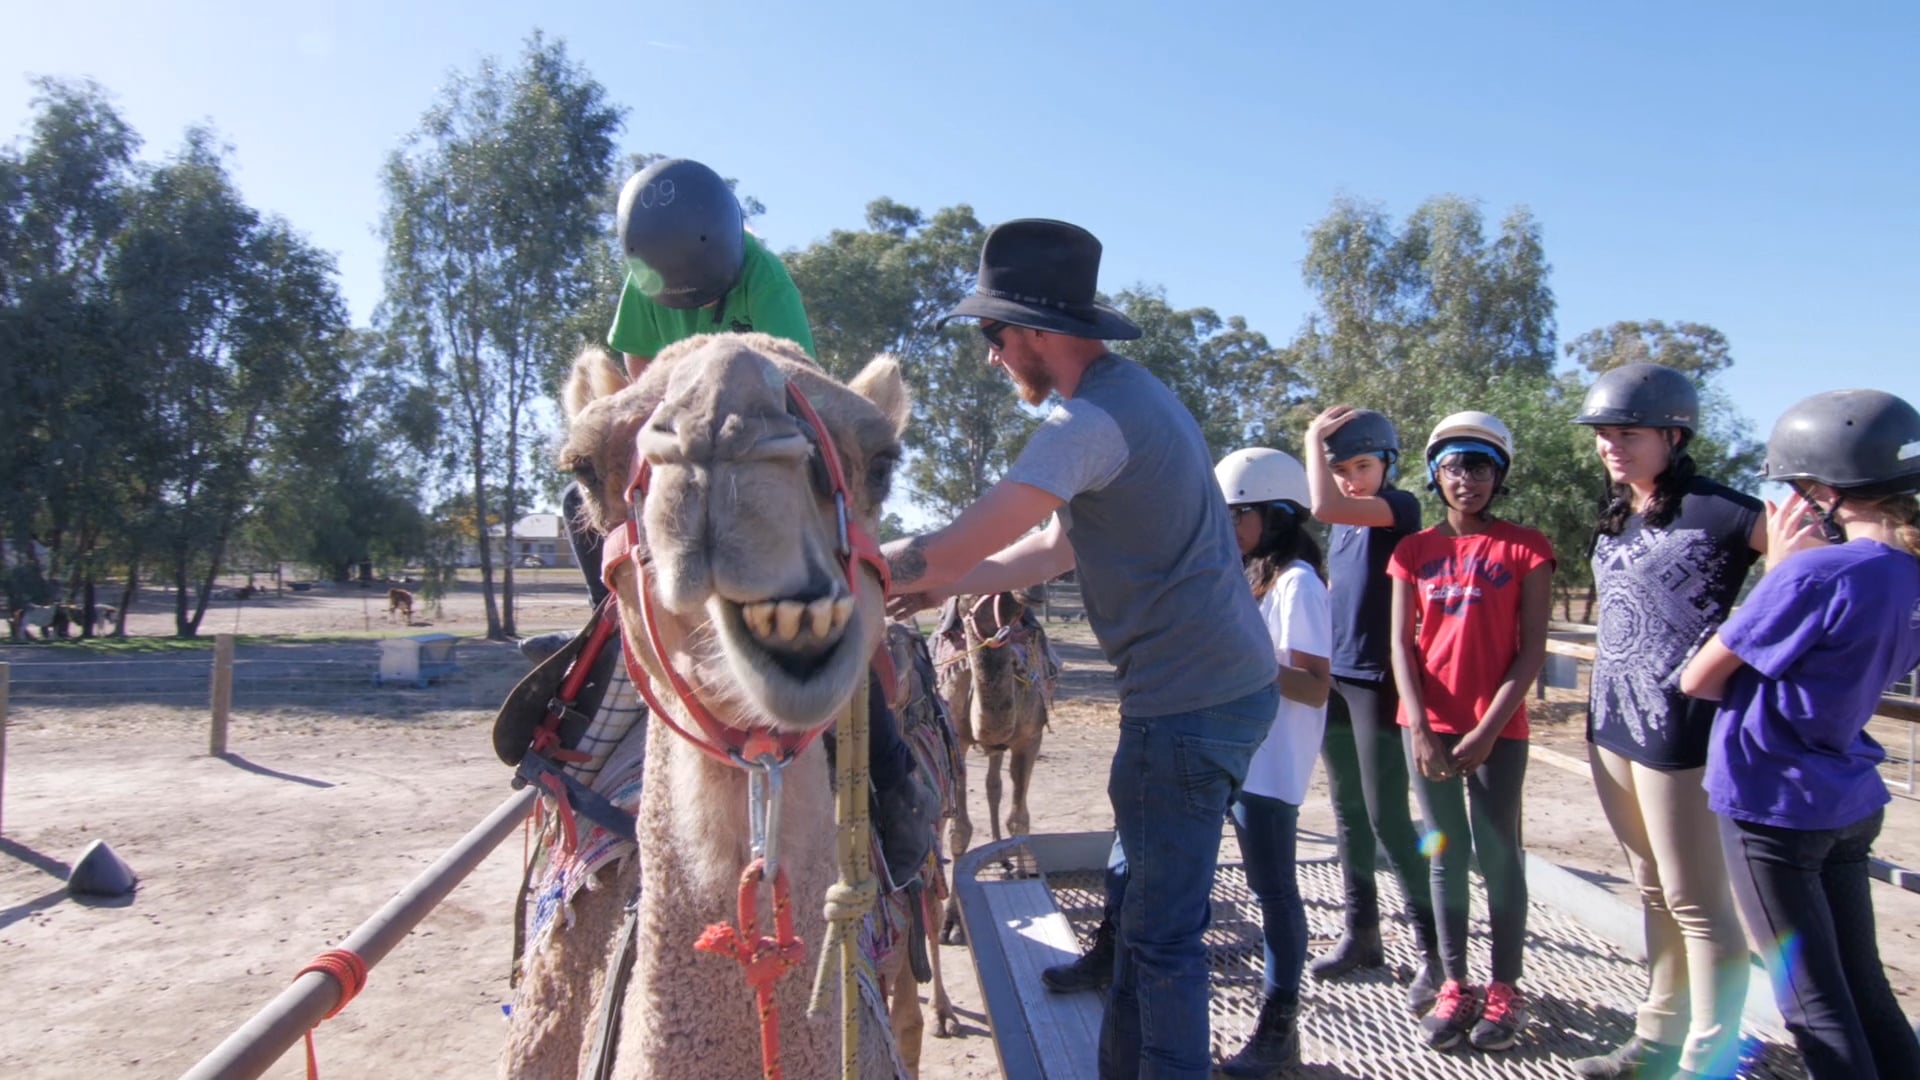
(1092, 971)
(1424, 990)
(1274, 1047)
(1359, 947)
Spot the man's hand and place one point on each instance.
(907, 605)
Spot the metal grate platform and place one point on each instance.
(1584, 990)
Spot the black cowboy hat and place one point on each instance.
(1041, 274)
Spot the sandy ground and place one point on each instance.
(253, 863)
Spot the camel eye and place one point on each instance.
(581, 466)
(880, 475)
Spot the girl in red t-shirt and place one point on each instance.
(1470, 605)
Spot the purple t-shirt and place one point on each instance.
(1823, 636)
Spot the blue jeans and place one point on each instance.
(1268, 832)
(1172, 780)
(1804, 895)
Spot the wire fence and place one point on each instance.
(340, 678)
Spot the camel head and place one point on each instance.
(749, 589)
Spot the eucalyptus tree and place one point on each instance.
(493, 214)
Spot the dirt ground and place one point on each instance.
(252, 863)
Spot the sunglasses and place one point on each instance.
(1479, 474)
(995, 333)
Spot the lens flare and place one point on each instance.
(1433, 843)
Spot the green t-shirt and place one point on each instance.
(764, 299)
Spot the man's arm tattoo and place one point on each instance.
(909, 564)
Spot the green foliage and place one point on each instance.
(495, 213)
(1227, 375)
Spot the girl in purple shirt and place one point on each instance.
(1798, 671)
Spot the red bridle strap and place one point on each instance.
(732, 745)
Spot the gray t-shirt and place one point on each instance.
(1159, 569)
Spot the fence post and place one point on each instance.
(6, 679)
(222, 692)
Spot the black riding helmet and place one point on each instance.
(1367, 433)
(1858, 442)
(1641, 395)
(681, 232)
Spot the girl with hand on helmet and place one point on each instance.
(1670, 553)
(1470, 605)
(1349, 456)
(1798, 671)
(1267, 492)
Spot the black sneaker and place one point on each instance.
(1634, 1058)
(1455, 1009)
(1501, 1019)
(1092, 971)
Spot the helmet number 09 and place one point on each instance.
(657, 194)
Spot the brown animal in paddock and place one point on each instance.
(400, 602)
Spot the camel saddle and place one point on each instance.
(541, 722)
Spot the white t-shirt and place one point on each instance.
(1298, 618)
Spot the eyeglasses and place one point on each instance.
(995, 333)
(1245, 509)
(1479, 473)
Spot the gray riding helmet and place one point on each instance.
(1368, 432)
(1641, 395)
(1860, 442)
(681, 233)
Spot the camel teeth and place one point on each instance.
(820, 617)
(787, 619)
(759, 618)
(842, 611)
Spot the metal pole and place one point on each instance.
(252, 1050)
(222, 692)
(6, 679)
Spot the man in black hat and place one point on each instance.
(1123, 469)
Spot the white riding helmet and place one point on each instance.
(1259, 475)
(1472, 427)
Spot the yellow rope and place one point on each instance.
(852, 897)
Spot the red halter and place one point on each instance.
(735, 746)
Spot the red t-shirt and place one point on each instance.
(1467, 590)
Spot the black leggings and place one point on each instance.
(1805, 894)
(1479, 816)
(1367, 775)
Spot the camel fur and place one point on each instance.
(735, 531)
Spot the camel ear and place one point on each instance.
(881, 383)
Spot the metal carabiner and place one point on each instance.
(763, 808)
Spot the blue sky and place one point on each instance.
(1755, 166)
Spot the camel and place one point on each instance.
(929, 734)
(400, 602)
(736, 582)
(995, 674)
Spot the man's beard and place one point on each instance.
(1034, 385)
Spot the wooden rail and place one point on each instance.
(1891, 707)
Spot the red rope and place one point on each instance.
(762, 959)
(350, 972)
